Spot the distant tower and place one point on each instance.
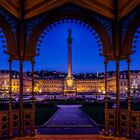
(69, 53)
(70, 83)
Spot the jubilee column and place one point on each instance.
(69, 53)
(70, 82)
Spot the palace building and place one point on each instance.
(15, 83)
(57, 85)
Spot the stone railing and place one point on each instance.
(9, 123)
(110, 120)
(29, 121)
(129, 122)
(124, 122)
(135, 124)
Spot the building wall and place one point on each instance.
(134, 82)
(57, 85)
(89, 85)
(4, 83)
(50, 85)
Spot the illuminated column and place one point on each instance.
(69, 53)
(69, 84)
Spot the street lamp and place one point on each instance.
(134, 88)
(99, 93)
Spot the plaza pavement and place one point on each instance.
(69, 119)
(70, 116)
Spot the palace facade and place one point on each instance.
(15, 83)
(56, 85)
(134, 81)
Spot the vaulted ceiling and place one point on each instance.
(36, 7)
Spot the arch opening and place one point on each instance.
(78, 18)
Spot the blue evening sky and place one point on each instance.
(85, 54)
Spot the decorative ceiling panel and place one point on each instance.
(36, 7)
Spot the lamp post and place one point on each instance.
(134, 92)
(134, 89)
(99, 94)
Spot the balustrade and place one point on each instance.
(9, 122)
(124, 122)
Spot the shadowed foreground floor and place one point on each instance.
(70, 137)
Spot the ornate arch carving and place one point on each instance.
(11, 46)
(104, 37)
(130, 35)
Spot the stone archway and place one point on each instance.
(56, 16)
(130, 35)
(11, 45)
